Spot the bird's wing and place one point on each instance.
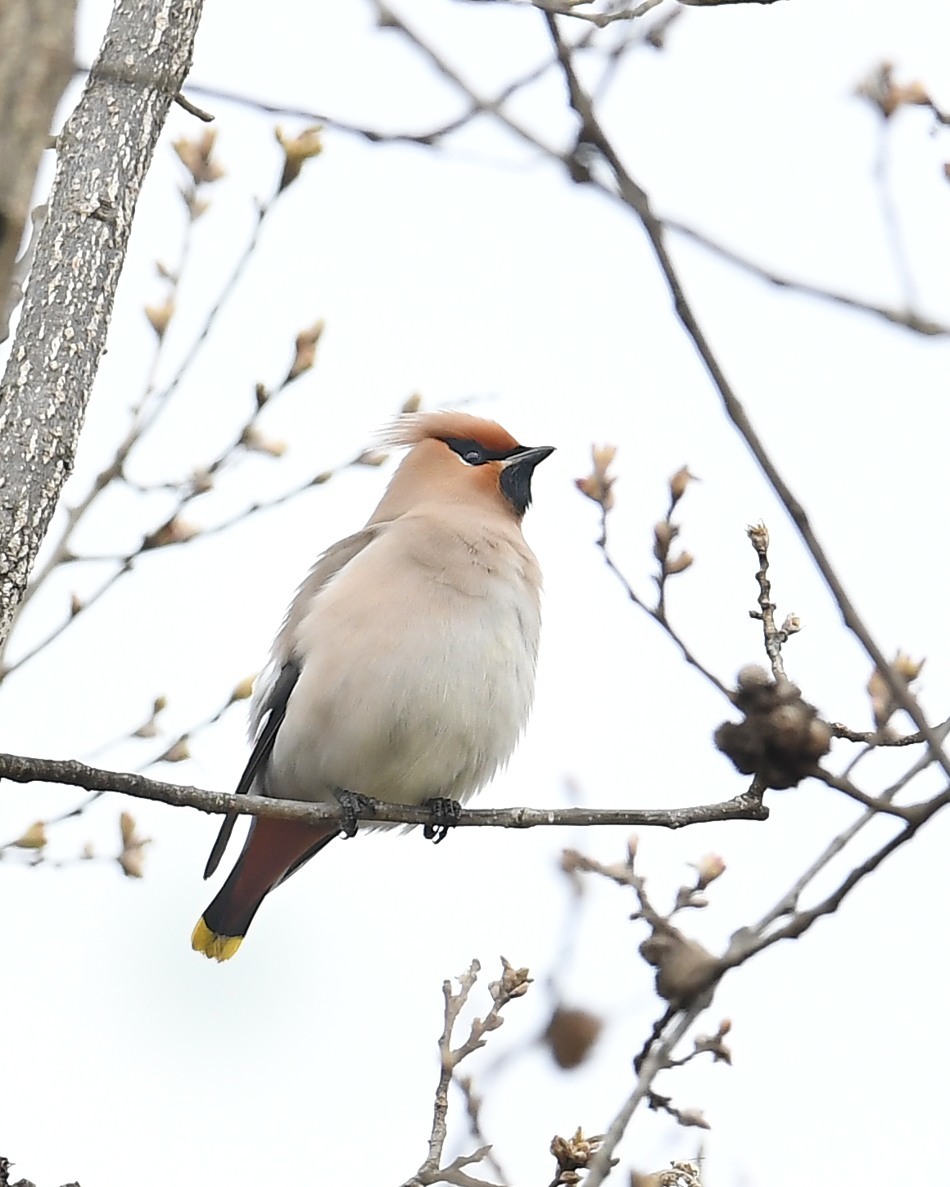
(332, 562)
(277, 700)
(272, 706)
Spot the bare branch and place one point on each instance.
(473, 1104)
(599, 19)
(874, 737)
(633, 196)
(186, 105)
(512, 984)
(658, 615)
(718, 3)
(21, 769)
(908, 318)
(745, 944)
(431, 138)
(654, 1062)
(775, 637)
(480, 105)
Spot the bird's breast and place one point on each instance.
(415, 685)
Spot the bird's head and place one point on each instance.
(461, 458)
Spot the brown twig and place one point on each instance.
(654, 1062)
(775, 637)
(635, 198)
(199, 113)
(881, 804)
(874, 737)
(473, 1104)
(512, 984)
(747, 944)
(657, 613)
(909, 319)
(480, 105)
(599, 19)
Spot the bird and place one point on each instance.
(404, 670)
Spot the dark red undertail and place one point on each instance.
(272, 851)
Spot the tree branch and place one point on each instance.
(512, 984)
(21, 769)
(908, 318)
(633, 196)
(656, 1059)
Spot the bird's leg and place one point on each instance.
(355, 807)
(443, 815)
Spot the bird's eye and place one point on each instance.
(471, 452)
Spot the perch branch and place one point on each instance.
(21, 769)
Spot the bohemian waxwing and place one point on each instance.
(404, 670)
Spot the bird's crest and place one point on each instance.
(413, 427)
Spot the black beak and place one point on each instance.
(516, 475)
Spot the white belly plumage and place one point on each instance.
(435, 713)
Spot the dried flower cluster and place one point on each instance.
(680, 1174)
(572, 1155)
(781, 737)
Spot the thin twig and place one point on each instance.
(512, 984)
(775, 637)
(654, 1062)
(747, 943)
(909, 319)
(205, 116)
(633, 196)
(874, 738)
(881, 804)
(656, 614)
(480, 105)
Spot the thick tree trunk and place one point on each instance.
(103, 154)
(36, 62)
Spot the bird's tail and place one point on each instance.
(273, 850)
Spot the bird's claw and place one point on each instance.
(443, 815)
(355, 807)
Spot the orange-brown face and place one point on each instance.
(462, 457)
(477, 458)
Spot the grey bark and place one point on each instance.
(36, 62)
(103, 154)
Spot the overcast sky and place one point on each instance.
(480, 274)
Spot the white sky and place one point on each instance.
(482, 273)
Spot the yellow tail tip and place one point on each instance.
(215, 947)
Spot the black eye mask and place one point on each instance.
(475, 454)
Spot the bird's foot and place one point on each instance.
(443, 815)
(355, 807)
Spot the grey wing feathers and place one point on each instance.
(336, 557)
(272, 710)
